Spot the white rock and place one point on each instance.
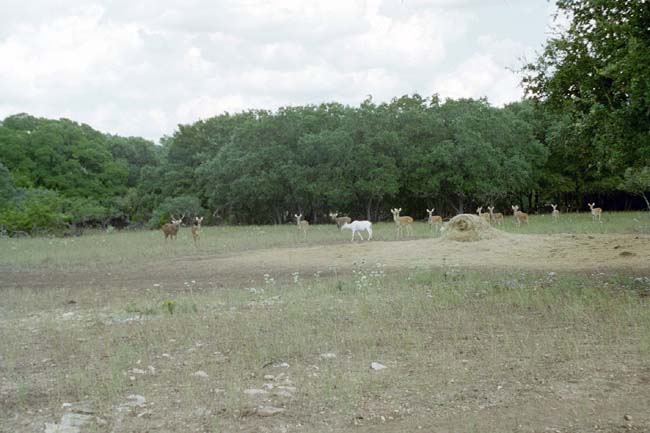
(328, 355)
(138, 371)
(377, 366)
(134, 400)
(202, 374)
(255, 391)
(287, 388)
(268, 410)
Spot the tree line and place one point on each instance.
(580, 135)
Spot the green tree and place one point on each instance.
(637, 182)
(596, 74)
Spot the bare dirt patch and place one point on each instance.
(506, 251)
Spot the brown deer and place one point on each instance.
(196, 229)
(485, 216)
(519, 215)
(303, 225)
(555, 214)
(497, 217)
(435, 221)
(596, 212)
(171, 230)
(339, 220)
(402, 221)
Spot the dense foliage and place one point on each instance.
(583, 135)
(594, 75)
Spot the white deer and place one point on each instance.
(358, 227)
(596, 212)
(402, 221)
(303, 225)
(555, 214)
(339, 220)
(435, 221)
(495, 217)
(519, 215)
(171, 230)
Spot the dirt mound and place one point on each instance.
(469, 228)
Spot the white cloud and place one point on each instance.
(142, 68)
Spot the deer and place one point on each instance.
(485, 216)
(519, 215)
(402, 221)
(358, 227)
(196, 229)
(435, 221)
(339, 220)
(596, 212)
(303, 225)
(555, 214)
(171, 230)
(495, 217)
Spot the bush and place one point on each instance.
(183, 205)
(35, 210)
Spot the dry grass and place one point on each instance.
(465, 351)
(519, 349)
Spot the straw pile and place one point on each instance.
(469, 228)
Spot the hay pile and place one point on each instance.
(469, 228)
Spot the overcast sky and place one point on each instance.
(142, 67)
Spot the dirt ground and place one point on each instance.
(509, 252)
(512, 369)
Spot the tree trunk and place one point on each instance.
(647, 202)
(369, 209)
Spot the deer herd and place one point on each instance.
(402, 222)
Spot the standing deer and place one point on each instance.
(555, 214)
(358, 227)
(303, 225)
(519, 215)
(171, 230)
(485, 216)
(495, 217)
(196, 229)
(596, 212)
(339, 220)
(435, 221)
(402, 221)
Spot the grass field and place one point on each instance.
(143, 246)
(488, 350)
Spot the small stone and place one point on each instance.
(269, 377)
(135, 400)
(282, 365)
(377, 366)
(268, 410)
(202, 374)
(255, 391)
(627, 418)
(138, 371)
(287, 388)
(328, 355)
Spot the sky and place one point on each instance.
(141, 68)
